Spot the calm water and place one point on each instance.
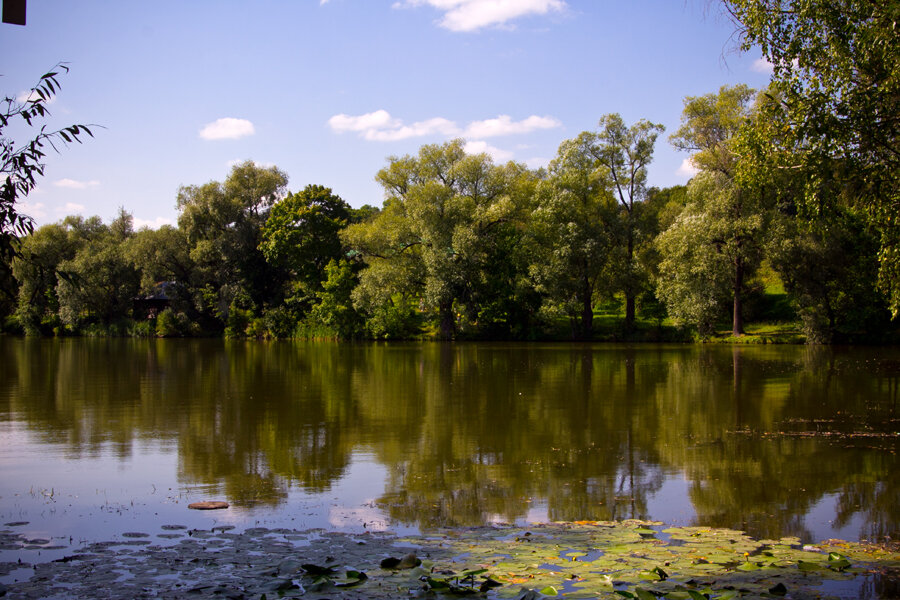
(101, 437)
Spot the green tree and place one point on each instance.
(837, 70)
(101, 281)
(625, 153)
(160, 255)
(699, 251)
(37, 270)
(435, 235)
(301, 234)
(335, 308)
(728, 217)
(571, 227)
(223, 223)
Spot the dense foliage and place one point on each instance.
(791, 217)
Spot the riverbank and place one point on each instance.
(583, 560)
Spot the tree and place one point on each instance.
(21, 165)
(434, 238)
(705, 253)
(624, 153)
(37, 269)
(223, 223)
(729, 214)
(571, 227)
(101, 281)
(301, 234)
(837, 70)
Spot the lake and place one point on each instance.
(104, 436)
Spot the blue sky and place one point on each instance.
(327, 90)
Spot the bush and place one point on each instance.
(172, 324)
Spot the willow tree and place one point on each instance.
(438, 233)
(572, 230)
(722, 217)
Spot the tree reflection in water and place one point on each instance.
(474, 433)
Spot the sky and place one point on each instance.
(327, 90)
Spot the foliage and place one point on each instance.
(837, 72)
(438, 230)
(727, 216)
(172, 324)
(571, 229)
(335, 308)
(301, 233)
(625, 153)
(223, 223)
(101, 282)
(830, 268)
(21, 165)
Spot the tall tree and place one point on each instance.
(837, 69)
(442, 214)
(710, 128)
(625, 153)
(223, 223)
(572, 230)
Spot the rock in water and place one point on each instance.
(208, 505)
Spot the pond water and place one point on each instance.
(99, 437)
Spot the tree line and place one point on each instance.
(797, 186)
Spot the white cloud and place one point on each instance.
(380, 119)
(227, 129)
(27, 95)
(74, 184)
(152, 224)
(69, 208)
(437, 125)
(478, 146)
(380, 126)
(504, 125)
(472, 15)
(761, 65)
(687, 168)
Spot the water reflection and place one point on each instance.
(470, 433)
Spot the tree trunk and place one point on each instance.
(587, 312)
(737, 326)
(629, 311)
(445, 311)
(629, 292)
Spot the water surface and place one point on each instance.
(104, 436)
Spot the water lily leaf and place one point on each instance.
(312, 569)
(808, 566)
(488, 584)
(549, 591)
(778, 590)
(748, 566)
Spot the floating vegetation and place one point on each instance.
(632, 559)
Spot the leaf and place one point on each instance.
(312, 569)
(778, 590)
(808, 566)
(549, 591)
